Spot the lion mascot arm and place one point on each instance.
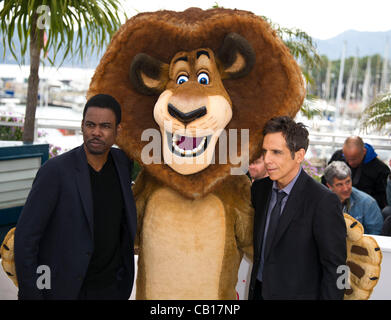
(364, 258)
(244, 218)
(235, 193)
(142, 189)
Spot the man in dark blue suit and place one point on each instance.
(79, 221)
(299, 229)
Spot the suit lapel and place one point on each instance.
(125, 181)
(84, 186)
(292, 207)
(263, 198)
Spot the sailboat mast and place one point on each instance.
(384, 78)
(366, 85)
(340, 80)
(328, 80)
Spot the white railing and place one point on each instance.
(336, 140)
(41, 122)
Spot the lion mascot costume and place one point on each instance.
(196, 88)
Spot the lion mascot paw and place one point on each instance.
(363, 259)
(7, 256)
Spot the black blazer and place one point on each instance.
(55, 227)
(309, 243)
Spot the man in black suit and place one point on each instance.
(299, 229)
(78, 225)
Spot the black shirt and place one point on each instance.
(108, 208)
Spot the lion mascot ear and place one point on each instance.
(148, 75)
(235, 59)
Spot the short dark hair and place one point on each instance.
(104, 101)
(295, 134)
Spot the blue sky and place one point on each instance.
(322, 19)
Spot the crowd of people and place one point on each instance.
(361, 181)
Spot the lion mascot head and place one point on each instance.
(191, 76)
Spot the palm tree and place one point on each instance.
(378, 113)
(53, 25)
(301, 46)
(303, 49)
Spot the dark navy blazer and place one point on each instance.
(309, 244)
(55, 228)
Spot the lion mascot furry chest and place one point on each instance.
(196, 88)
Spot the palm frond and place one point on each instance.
(300, 44)
(302, 47)
(78, 27)
(307, 108)
(378, 113)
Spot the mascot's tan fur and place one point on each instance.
(195, 77)
(363, 259)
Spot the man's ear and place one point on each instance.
(236, 57)
(148, 75)
(328, 186)
(119, 128)
(300, 154)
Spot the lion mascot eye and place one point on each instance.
(203, 78)
(182, 79)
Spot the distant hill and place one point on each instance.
(367, 43)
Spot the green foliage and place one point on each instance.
(66, 20)
(301, 46)
(10, 133)
(307, 110)
(54, 150)
(319, 74)
(303, 49)
(311, 170)
(378, 114)
(15, 133)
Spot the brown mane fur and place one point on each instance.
(274, 86)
